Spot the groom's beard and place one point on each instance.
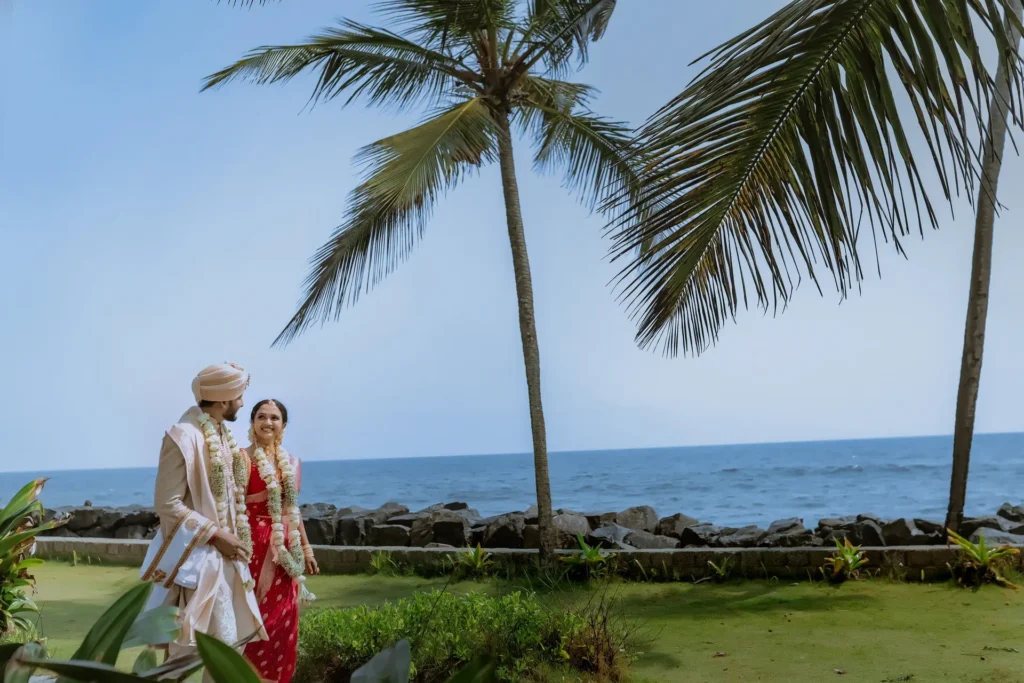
(231, 416)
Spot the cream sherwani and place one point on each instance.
(209, 590)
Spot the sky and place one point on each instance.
(147, 230)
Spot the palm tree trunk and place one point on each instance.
(528, 330)
(977, 300)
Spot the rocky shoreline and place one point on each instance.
(637, 528)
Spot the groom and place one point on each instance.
(198, 560)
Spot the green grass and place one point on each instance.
(872, 630)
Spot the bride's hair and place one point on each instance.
(280, 406)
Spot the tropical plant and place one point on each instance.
(382, 562)
(475, 563)
(394, 665)
(845, 563)
(20, 522)
(764, 168)
(723, 571)
(587, 562)
(122, 626)
(977, 563)
(482, 69)
(981, 275)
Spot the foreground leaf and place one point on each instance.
(224, 664)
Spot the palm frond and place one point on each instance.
(765, 167)
(449, 17)
(386, 68)
(595, 154)
(405, 174)
(246, 3)
(557, 30)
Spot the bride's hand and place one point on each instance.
(312, 568)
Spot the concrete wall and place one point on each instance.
(686, 564)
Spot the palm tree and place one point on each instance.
(764, 169)
(482, 68)
(981, 274)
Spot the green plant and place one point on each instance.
(977, 563)
(123, 626)
(476, 563)
(445, 633)
(845, 563)
(382, 562)
(722, 572)
(486, 71)
(586, 563)
(20, 522)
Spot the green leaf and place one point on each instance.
(224, 664)
(157, 626)
(87, 672)
(28, 493)
(392, 665)
(104, 640)
(22, 662)
(767, 167)
(146, 660)
(406, 173)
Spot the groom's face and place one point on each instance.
(231, 409)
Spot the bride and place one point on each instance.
(281, 554)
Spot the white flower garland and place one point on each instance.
(218, 478)
(291, 555)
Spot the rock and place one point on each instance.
(531, 536)
(829, 523)
(60, 532)
(596, 520)
(567, 528)
(648, 541)
(410, 519)
(746, 537)
(389, 535)
(456, 506)
(136, 515)
(673, 526)
(610, 536)
(699, 535)
(445, 526)
(151, 534)
(321, 522)
(134, 532)
(867, 517)
(641, 518)
(783, 525)
(971, 524)
(905, 532)
(898, 532)
(532, 514)
(929, 527)
(788, 533)
(868, 532)
(84, 518)
(88, 504)
(1012, 513)
(995, 537)
(505, 532)
(354, 526)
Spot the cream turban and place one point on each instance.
(223, 382)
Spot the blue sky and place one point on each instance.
(149, 230)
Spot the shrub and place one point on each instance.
(447, 631)
(977, 563)
(845, 563)
(586, 563)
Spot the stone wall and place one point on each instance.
(913, 563)
(456, 525)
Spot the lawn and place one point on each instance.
(748, 631)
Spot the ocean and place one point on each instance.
(726, 485)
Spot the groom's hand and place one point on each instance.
(229, 546)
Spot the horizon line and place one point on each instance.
(735, 444)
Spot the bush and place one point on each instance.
(448, 631)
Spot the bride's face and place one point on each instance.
(268, 425)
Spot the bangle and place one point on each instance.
(307, 552)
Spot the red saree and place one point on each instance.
(276, 592)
